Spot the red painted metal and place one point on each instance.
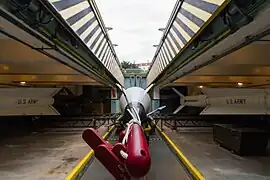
(116, 150)
(91, 137)
(121, 136)
(107, 154)
(111, 162)
(139, 161)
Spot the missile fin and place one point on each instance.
(27, 101)
(148, 88)
(177, 92)
(121, 88)
(178, 109)
(221, 110)
(158, 109)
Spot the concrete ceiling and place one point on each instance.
(249, 65)
(20, 63)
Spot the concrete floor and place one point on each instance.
(40, 156)
(215, 162)
(52, 155)
(164, 164)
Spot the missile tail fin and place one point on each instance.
(158, 109)
(121, 88)
(182, 101)
(177, 92)
(148, 88)
(178, 109)
(123, 91)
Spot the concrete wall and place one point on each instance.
(99, 100)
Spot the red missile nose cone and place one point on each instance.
(139, 166)
(138, 162)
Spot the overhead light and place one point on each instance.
(161, 29)
(109, 28)
(201, 87)
(5, 67)
(240, 84)
(22, 82)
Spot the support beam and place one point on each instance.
(156, 98)
(115, 108)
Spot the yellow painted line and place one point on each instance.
(86, 158)
(148, 128)
(195, 173)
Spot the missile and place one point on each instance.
(135, 99)
(138, 99)
(138, 161)
(228, 101)
(135, 104)
(27, 101)
(130, 157)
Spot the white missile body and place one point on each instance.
(136, 95)
(27, 101)
(229, 101)
(138, 101)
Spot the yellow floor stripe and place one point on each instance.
(86, 158)
(147, 129)
(196, 174)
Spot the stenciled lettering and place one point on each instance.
(235, 101)
(27, 101)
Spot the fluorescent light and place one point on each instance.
(240, 84)
(22, 82)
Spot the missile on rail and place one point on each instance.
(228, 101)
(130, 157)
(27, 101)
(137, 98)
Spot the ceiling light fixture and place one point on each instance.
(240, 84)
(22, 82)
